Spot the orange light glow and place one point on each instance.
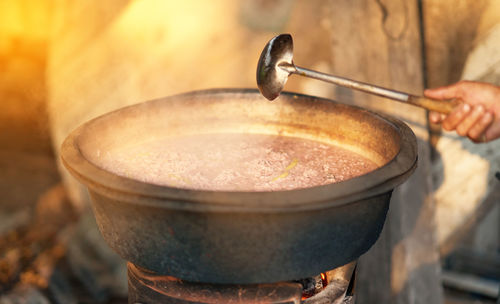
(26, 19)
(324, 279)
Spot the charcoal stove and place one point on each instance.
(335, 287)
(200, 243)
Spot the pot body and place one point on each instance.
(242, 237)
(240, 247)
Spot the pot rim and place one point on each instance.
(376, 182)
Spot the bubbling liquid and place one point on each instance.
(236, 162)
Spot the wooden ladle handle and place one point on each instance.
(441, 106)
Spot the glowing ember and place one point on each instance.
(241, 162)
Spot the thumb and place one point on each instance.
(446, 92)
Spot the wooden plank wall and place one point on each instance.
(451, 28)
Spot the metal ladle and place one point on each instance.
(276, 64)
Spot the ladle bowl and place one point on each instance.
(241, 237)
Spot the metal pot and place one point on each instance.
(242, 237)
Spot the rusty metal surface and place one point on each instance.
(242, 237)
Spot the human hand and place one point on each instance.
(477, 117)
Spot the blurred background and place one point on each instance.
(64, 62)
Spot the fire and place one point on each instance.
(318, 284)
(324, 278)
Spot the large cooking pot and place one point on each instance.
(241, 237)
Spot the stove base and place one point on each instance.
(146, 287)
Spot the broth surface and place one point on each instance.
(236, 162)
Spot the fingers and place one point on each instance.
(470, 120)
(456, 116)
(493, 132)
(436, 117)
(477, 131)
(474, 122)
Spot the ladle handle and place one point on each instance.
(441, 106)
